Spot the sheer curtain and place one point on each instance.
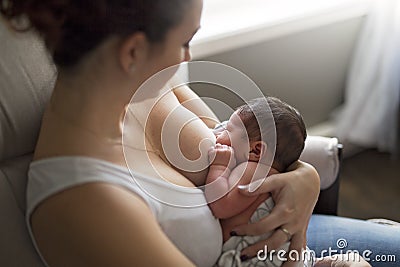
(370, 114)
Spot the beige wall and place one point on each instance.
(306, 69)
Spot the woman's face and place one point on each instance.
(175, 49)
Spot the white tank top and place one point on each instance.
(193, 230)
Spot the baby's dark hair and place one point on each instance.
(71, 28)
(290, 128)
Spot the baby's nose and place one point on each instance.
(223, 138)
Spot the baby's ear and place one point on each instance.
(257, 150)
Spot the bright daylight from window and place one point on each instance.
(224, 19)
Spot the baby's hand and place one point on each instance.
(222, 155)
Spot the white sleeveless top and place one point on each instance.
(193, 230)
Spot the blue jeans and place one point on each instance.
(379, 243)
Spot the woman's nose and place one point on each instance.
(223, 138)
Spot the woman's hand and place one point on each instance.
(342, 260)
(295, 194)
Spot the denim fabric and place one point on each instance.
(379, 243)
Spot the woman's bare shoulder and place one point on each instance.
(100, 224)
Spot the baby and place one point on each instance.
(239, 157)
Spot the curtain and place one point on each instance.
(370, 114)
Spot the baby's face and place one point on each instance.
(235, 135)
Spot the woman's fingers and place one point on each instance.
(261, 186)
(266, 224)
(324, 262)
(274, 242)
(294, 254)
(294, 194)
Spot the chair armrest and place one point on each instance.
(325, 155)
(328, 198)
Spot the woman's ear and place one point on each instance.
(132, 50)
(257, 150)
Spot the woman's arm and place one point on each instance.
(295, 194)
(99, 224)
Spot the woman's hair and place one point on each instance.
(71, 28)
(290, 128)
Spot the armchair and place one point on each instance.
(26, 80)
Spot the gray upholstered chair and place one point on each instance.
(26, 80)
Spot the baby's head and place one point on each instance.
(290, 132)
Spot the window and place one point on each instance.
(228, 24)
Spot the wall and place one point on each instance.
(306, 69)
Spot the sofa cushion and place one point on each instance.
(322, 153)
(24, 90)
(15, 243)
(26, 80)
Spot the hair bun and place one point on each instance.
(46, 16)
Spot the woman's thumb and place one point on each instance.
(267, 185)
(323, 262)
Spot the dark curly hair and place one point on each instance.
(290, 128)
(71, 28)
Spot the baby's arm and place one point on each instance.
(221, 191)
(223, 161)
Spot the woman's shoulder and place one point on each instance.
(101, 218)
(54, 175)
(62, 137)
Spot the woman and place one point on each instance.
(83, 209)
